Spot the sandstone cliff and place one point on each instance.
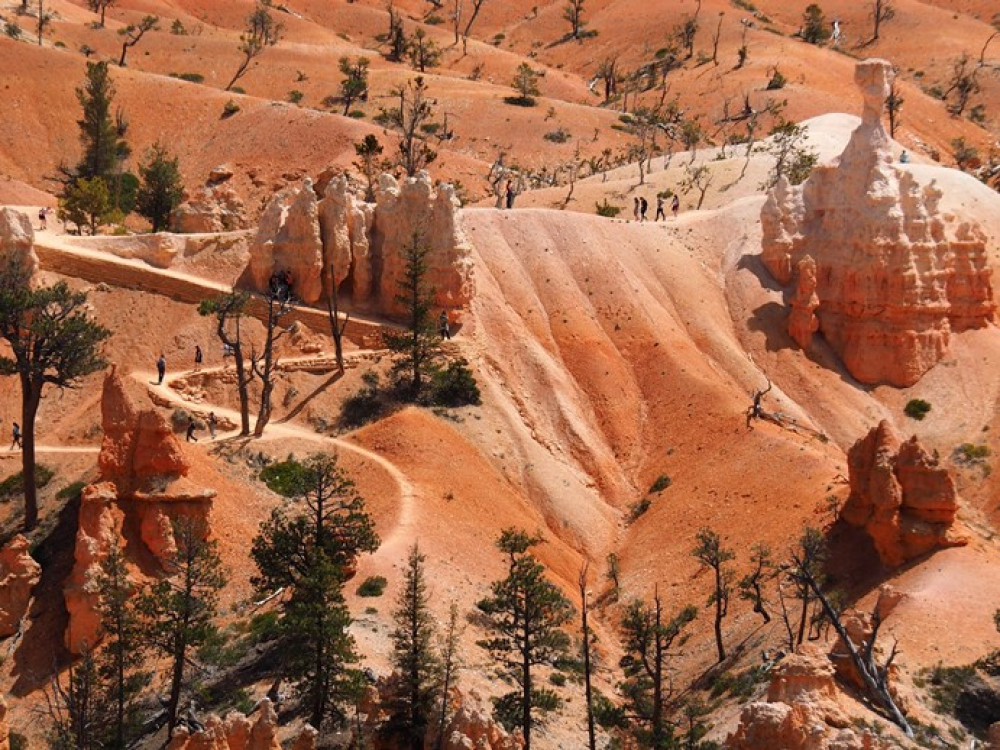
(900, 496)
(338, 241)
(892, 276)
(17, 239)
(213, 207)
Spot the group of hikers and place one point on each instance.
(641, 206)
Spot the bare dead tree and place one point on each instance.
(586, 649)
(882, 11)
(101, 6)
(982, 52)
(607, 71)
(265, 363)
(893, 105)
(477, 5)
(963, 83)
(338, 320)
(744, 50)
(715, 40)
(875, 675)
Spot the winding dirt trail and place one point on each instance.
(402, 534)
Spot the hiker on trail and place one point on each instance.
(675, 205)
(198, 356)
(635, 209)
(16, 434)
(660, 214)
(161, 368)
(190, 431)
(904, 158)
(42, 214)
(509, 192)
(643, 208)
(212, 423)
(444, 327)
(228, 351)
(836, 32)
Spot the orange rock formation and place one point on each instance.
(359, 247)
(802, 711)
(892, 276)
(900, 496)
(19, 573)
(17, 238)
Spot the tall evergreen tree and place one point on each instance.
(53, 341)
(100, 132)
(123, 655)
(178, 610)
(414, 657)
(309, 550)
(647, 641)
(525, 614)
(417, 349)
(160, 190)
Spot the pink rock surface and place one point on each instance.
(894, 277)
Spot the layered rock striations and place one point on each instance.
(142, 492)
(901, 496)
(893, 277)
(338, 241)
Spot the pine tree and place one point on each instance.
(310, 551)
(417, 349)
(226, 308)
(354, 85)
(647, 642)
(53, 341)
(100, 133)
(525, 614)
(123, 655)
(414, 657)
(712, 555)
(161, 189)
(178, 610)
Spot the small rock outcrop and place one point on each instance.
(900, 496)
(19, 574)
(17, 239)
(142, 488)
(802, 711)
(892, 275)
(338, 241)
(240, 732)
(213, 207)
(139, 447)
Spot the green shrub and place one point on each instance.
(430, 128)
(916, 408)
(433, 20)
(557, 136)
(177, 28)
(287, 478)
(295, 96)
(366, 405)
(455, 385)
(71, 491)
(356, 114)
(497, 38)
(558, 679)
(637, 510)
(189, 77)
(12, 30)
(520, 101)
(14, 484)
(373, 586)
(777, 81)
(661, 483)
(607, 210)
(971, 452)
(230, 109)
(264, 627)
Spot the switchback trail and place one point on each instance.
(393, 544)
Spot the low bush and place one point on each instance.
(295, 96)
(189, 77)
(557, 136)
(521, 101)
(288, 478)
(661, 483)
(607, 210)
(916, 408)
(366, 405)
(14, 484)
(373, 586)
(639, 509)
(230, 109)
(455, 385)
